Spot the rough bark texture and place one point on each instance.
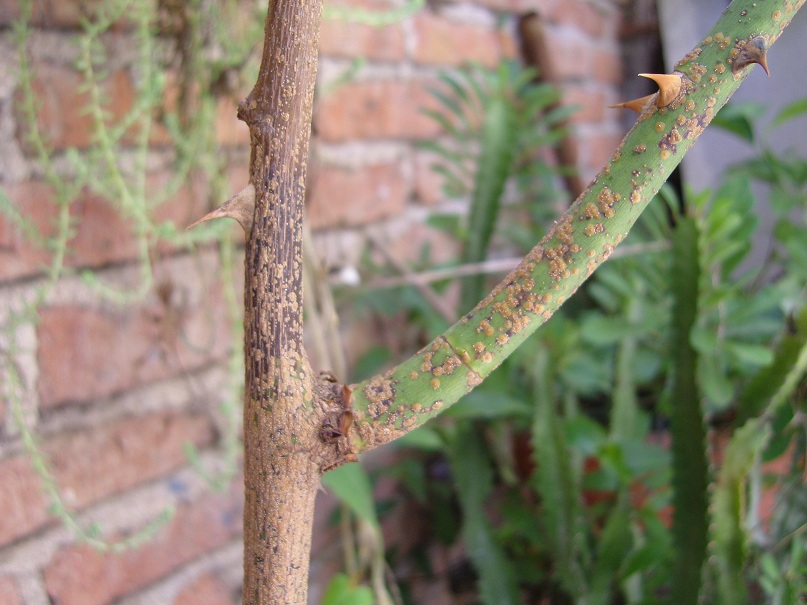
(281, 475)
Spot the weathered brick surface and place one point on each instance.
(62, 116)
(375, 110)
(79, 575)
(585, 16)
(18, 255)
(22, 502)
(590, 102)
(428, 184)
(206, 590)
(64, 13)
(86, 353)
(344, 38)
(101, 234)
(230, 131)
(88, 464)
(441, 41)
(350, 197)
(599, 148)
(95, 463)
(9, 593)
(607, 65)
(570, 57)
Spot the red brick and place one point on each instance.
(570, 55)
(101, 233)
(206, 590)
(592, 151)
(599, 149)
(82, 576)
(230, 131)
(64, 13)
(94, 464)
(590, 102)
(428, 183)
(441, 41)
(9, 593)
(409, 246)
(188, 204)
(62, 114)
(21, 499)
(606, 65)
(18, 256)
(86, 353)
(351, 197)
(342, 38)
(582, 14)
(376, 110)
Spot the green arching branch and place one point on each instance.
(406, 396)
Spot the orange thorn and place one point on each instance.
(240, 207)
(669, 85)
(754, 50)
(637, 105)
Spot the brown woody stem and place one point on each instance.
(281, 475)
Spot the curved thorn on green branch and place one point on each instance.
(669, 122)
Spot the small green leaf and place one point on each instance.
(584, 435)
(716, 385)
(788, 112)
(739, 118)
(729, 533)
(601, 330)
(351, 484)
(483, 403)
(757, 355)
(422, 438)
(340, 591)
(371, 361)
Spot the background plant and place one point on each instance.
(582, 495)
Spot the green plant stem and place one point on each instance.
(689, 465)
(406, 396)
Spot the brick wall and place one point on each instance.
(115, 392)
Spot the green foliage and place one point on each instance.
(473, 476)
(677, 328)
(730, 535)
(493, 119)
(689, 463)
(351, 485)
(340, 591)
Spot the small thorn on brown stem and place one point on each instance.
(754, 50)
(637, 105)
(669, 86)
(240, 207)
